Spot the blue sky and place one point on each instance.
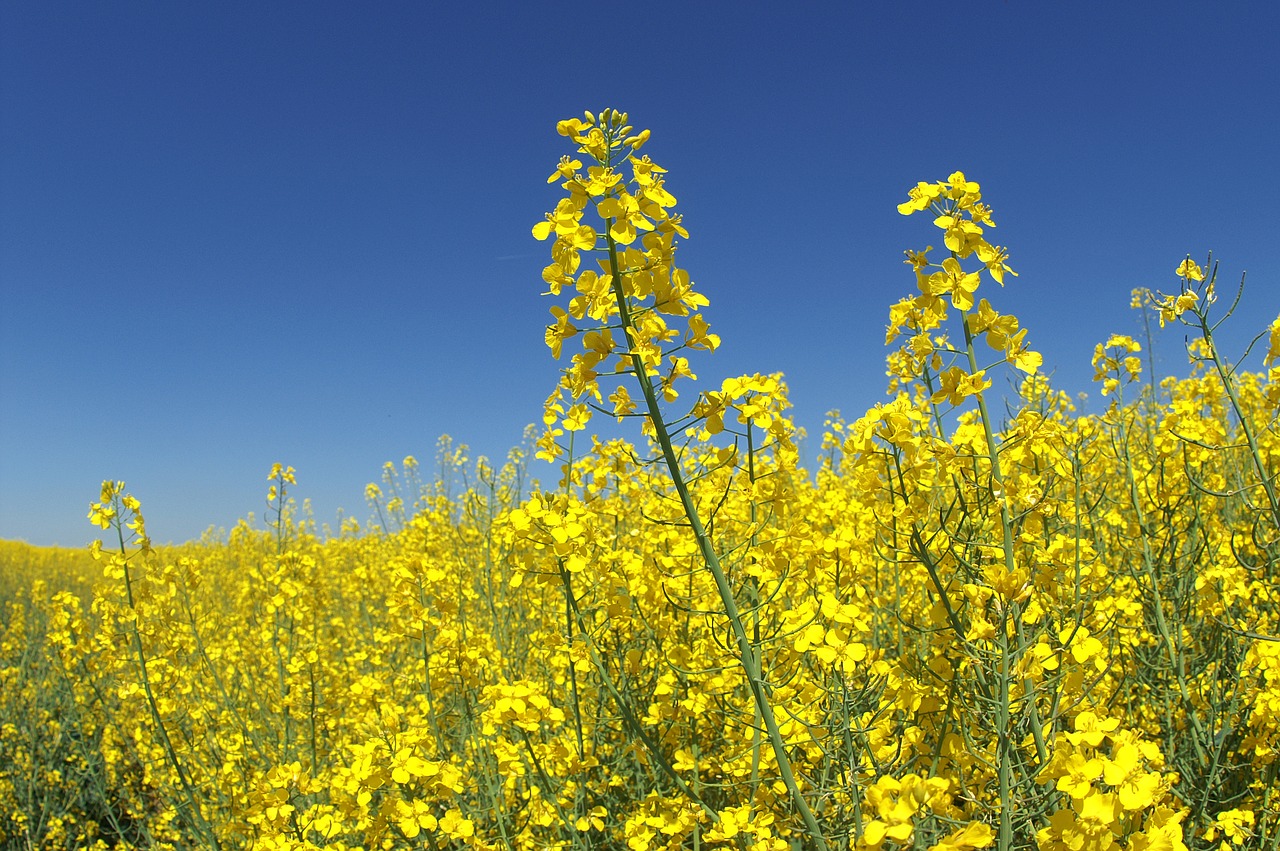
(236, 233)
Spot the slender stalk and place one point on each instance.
(1228, 384)
(194, 816)
(1011, 612)
(746, 653)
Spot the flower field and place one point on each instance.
(976, 622)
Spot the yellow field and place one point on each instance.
(962, 630)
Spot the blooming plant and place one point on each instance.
(972, 625)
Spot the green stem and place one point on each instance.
(1268, 486)
(1010, 612)
(195, 817)
(746, 652)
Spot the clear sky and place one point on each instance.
(236, 233)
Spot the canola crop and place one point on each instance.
(1043, 629)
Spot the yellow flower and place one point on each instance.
(1162, 832)
(600, 179)
(953, 280)
(574, 127)
(1236, 825)
(921, 196)
(995, 259)
(997, 328)
(961, 186)
(973, 835)
(957, 385)
(576, 418)
(563, 221)
(961, 236)
(644, 170)
(566, 169)
(1020, 356)
(562, 330)
(1190, 270)
(1090, 729)
(1079, 774)
(699, 337)
(917, 259)
(101, 515)
(1125, 771)
(623, 213)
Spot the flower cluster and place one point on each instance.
(1043, 629)
(623, 308)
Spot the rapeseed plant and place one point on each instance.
(1036, 629)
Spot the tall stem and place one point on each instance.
(746, 653)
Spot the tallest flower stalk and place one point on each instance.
(638, 290)
(640, 293)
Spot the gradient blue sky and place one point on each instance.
(235, 233)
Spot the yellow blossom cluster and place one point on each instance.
(624, 309)
(1045, 629)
